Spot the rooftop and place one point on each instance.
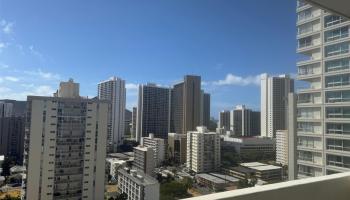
(211, 178)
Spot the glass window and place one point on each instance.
(337, 49)
(332, 20)
(336, 34)
(338, 80)
(337, 65)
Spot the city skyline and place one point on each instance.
(35, 63)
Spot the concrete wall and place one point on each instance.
(334, 186)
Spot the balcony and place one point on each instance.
(334, 186)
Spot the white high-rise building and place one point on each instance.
(282, 147)
(65, 142)
(323, 106)
(158, 146)
(114, 91)
(203, 150)
(274, 96)
(137, 185)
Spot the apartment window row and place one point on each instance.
(337, 65)
(336, 34)
(337, 49)
(332, 20)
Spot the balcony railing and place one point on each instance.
(337, 115)
(338, 132)
(338, 83)
(337, 100)
(334, 186)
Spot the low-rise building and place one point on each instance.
(251, 145)
(177, 147)
(137, 185)
(216, 181)
(265, 172)
(261, 171)
(158, 146)
(112, 166)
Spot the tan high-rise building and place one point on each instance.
(65, 146)
(186, 105)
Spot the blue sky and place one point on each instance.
(228, 42)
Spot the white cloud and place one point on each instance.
(11, 78)
(4, 89)
(36, 53)
(4, 66)
(41, 90)
(7, 27)
(44, 75)
(232, 79)
(131, 86)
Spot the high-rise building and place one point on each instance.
(158, 145)
(12, 137)
(114, 91)
(65, 146)
(203, 150)
(186, 105)
(177, 147)
(224, 120)
(323, 106)
(5, 109)
(274, 95)
(144, 159)
(282, 147)
(137, 185)
(133, 122)
(244, 121)
(205, 109)
(127, 124)
(12, 122)
(153, 111)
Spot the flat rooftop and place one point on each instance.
(253, 164)
(211, 178)
(266, 168)
(225, 177)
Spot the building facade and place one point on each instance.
(158, 145)
(274, 95)
(144, 160)
(205, 109)
(114, 90)
(282, 146)
(12, 123)
(203, 150)
(137, 185)
(186, 105)
(225, 120)
(133, 122)
(153, 111)
(244, 121)
(65, 146)
(177, 147)
(323, 106)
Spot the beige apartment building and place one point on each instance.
(65, 146)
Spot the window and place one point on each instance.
(337, 65)
(336, 34)
(337, 49)
(332, 20)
